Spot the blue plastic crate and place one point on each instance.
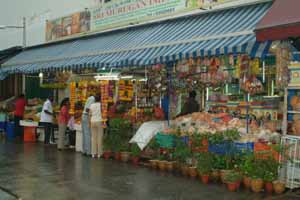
(221, 149)
(10, 132)
(185, 139)
(2, 126)
(240, 147)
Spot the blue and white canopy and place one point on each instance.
(228, 31)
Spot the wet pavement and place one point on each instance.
(33, 171)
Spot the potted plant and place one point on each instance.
(257, 175)
(204, 166)
(125, 154)
(135, 154)
(232, 180)
(217, 165)
(116, 146)
(181, 154)
(107, 145)
(247, 169)
(270, 167)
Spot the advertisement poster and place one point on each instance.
(67, 26)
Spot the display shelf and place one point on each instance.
(293, 112)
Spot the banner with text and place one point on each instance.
(119, 13)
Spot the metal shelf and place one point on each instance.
(293, 112)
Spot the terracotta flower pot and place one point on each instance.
(257, 185)
(184, 170)
(205, 179)
(125, 156)
(135, 160)
(117, 156)
(215, 175)
(107, 155)
(278, 187)
(162, 165)
(232, 187)
(154, 164)
(193, 172)
(247, 182)
(269, 187)
(169, 166)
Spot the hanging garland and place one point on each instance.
(104, 89)
(72, 97)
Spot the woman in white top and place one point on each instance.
(96, 127)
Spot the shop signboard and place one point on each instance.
(119, 13)
(126, 12)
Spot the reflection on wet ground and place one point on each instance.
(33, 171)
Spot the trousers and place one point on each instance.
(61, 135)
(86, 135)
(97, 138)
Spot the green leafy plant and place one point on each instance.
(217, 138)
(182, 152)
(135, 150)
(219, 162)
(247, 166)
(231, 135)
(232, 177)
(204, 163)
(124, 147)
(108, 143)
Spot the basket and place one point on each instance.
(264, 151)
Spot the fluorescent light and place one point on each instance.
(108, 76)
(127, 77)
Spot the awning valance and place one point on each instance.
(228, 31)
(281, 21)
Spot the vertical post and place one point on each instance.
(169, 66)
(247, 112)
(24, 32)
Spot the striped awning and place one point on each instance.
(228, 31)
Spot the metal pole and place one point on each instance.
(24, 32)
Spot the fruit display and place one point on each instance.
(104, 90)
(204, 123)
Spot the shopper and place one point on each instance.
(63, 120)
(86, 131)
(191, 105)
(96, 127)
(18, 116)
(47, 119)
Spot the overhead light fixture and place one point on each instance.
(108, 76)
(126, 77)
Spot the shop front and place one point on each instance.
(145, 74)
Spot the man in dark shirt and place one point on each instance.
(191, 105)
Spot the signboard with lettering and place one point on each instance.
(118, 13)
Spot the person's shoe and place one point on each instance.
(93, 156)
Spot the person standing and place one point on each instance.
(18, 116)
(96, 127)
(191, 105)
(63, 120)
(47, 119)
(86, 131)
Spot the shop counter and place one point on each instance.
(78, 145)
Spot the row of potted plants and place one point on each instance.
(256, 173)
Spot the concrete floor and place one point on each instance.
(33, 171)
